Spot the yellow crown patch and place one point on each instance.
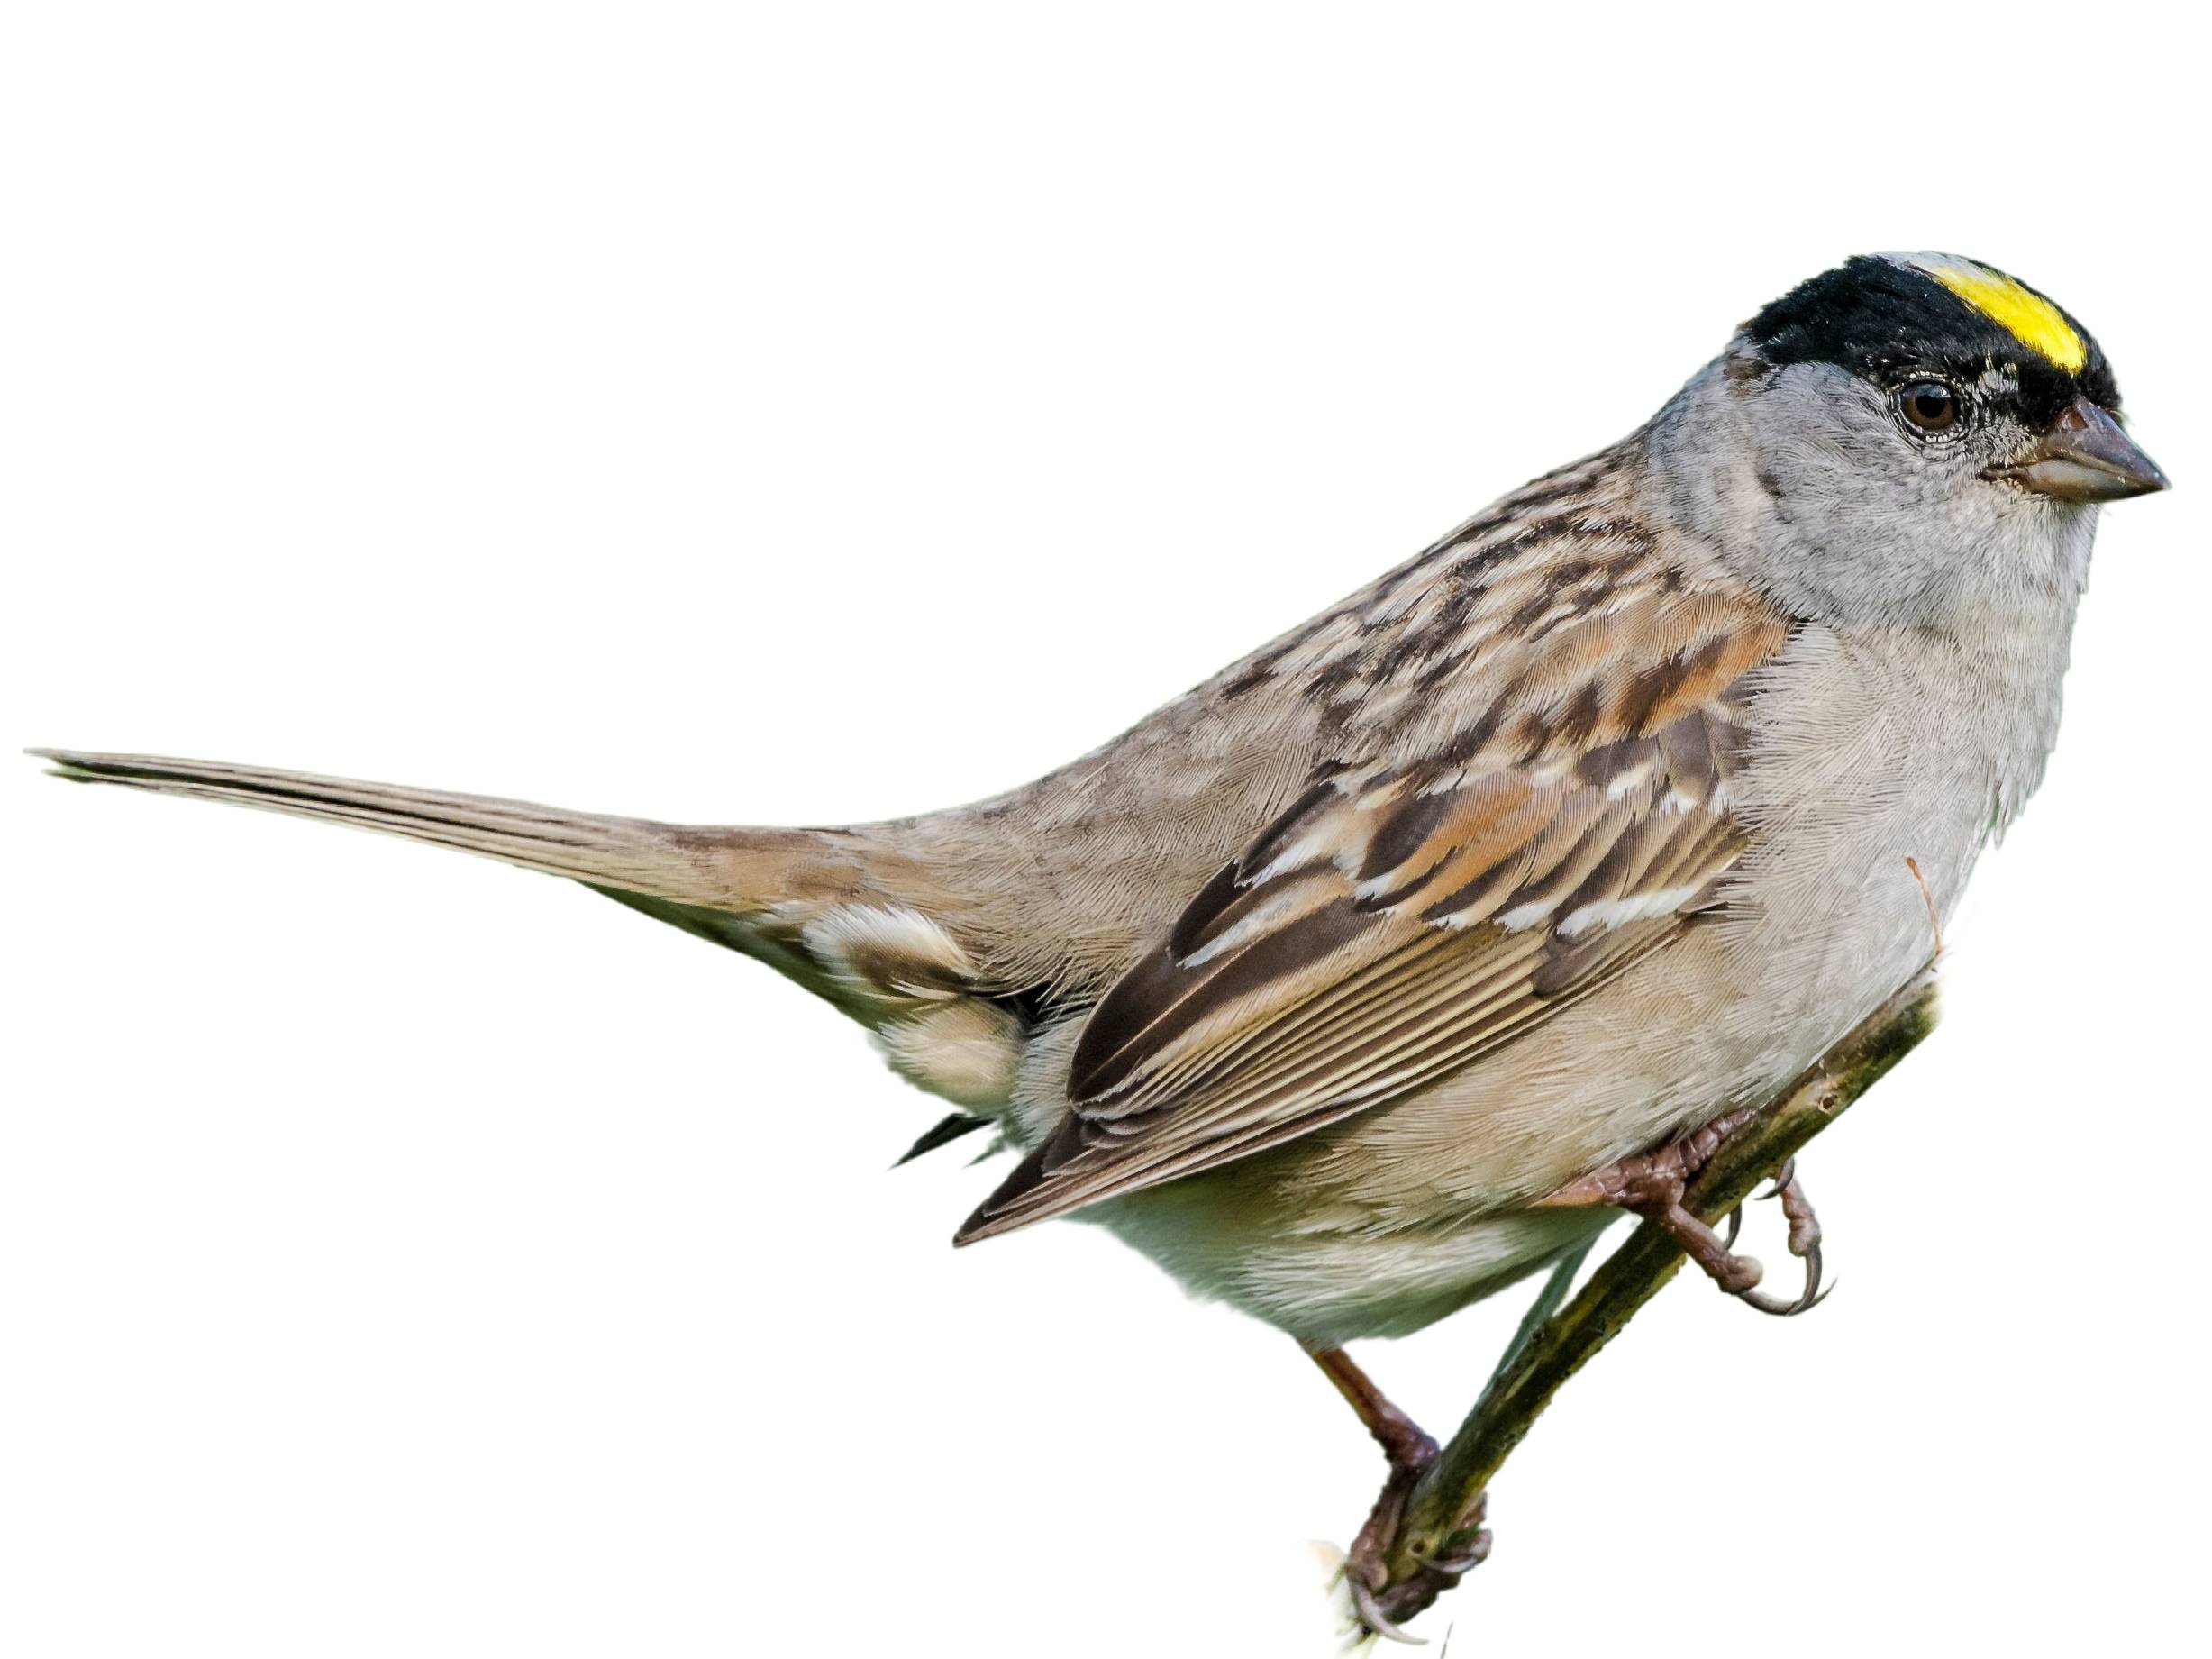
(2030, 318)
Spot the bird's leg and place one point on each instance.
(1380, 1603)
(1650, 1185)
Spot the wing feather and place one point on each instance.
(1409, 913)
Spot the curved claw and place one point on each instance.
(1736, 1227)
(1777, 1307)
(1372, 1617)
(1452, 1566)
(1808, 1299)
(1782, 1177)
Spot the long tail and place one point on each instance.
(850, 914)
(739, 872)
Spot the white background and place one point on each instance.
(732, 415)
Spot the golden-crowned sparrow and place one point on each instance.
(1599, 819)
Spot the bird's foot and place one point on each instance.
(1651, 1185)
(1384, 1607)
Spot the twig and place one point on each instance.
(1545, 1355)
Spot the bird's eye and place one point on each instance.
(1930, 406)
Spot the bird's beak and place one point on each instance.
(2085, 457)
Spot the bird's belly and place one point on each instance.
(1328, 1286)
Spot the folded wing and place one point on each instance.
(1407, 916)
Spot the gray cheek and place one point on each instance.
(1847, 524)
(1867, 525)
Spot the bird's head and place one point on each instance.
(1907, 431)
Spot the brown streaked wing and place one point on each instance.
(1398, 921)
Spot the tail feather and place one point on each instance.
(731, 870)
(853, 915)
